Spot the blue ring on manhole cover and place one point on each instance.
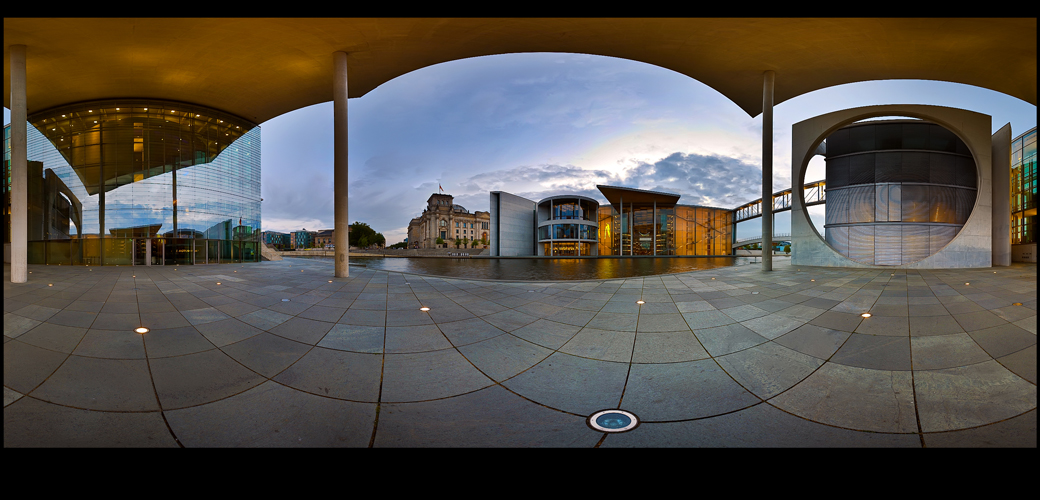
(613, 421)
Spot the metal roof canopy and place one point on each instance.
(617, 194)
(261, 68)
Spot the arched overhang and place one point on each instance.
(262, 68)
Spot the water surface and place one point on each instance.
(545, 269)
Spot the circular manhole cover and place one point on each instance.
(613, 421)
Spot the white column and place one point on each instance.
(1001, 163)
(767, 171)
(19, 165)
(342, 219)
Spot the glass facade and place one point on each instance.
(665, 230)
(156, 182)
(567, 226)
(897, 191)
(1023, 189)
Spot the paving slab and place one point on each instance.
(353, 363)
(854, 398)
(31, 423)
(100, 384)
(758, 426)
(679, 391)
(572, 384)
(489, 417)
(429, 375)
(272, 415)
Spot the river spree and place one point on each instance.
(546, 269)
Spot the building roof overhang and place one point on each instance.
(617, 194)
(260, 68)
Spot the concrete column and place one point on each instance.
(631, 230)
(19, 168)
(1001, 160)
(767, 171)
(342, 219)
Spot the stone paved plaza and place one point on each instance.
(281, 354)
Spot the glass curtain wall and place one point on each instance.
(154, 181)
(681, 230)
(1023, 189)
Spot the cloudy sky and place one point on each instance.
(537, 125)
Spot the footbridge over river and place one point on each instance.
(813, 192)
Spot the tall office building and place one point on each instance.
(140, 182)
(1023, 197)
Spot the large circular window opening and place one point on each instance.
(897, 191)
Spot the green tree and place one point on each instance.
(359, 230)
(440, 241)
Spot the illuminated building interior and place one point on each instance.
(143, 182)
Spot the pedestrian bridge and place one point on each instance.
(777, 238)
(814, 192)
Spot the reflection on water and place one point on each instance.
(545, 269)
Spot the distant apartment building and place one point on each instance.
(325, 238)
(302, 239)
(276, 240)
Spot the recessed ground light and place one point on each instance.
(865, 315)
(640, 302)
(612, 421)
(713, 278)
(424, 308)
(1017, 304)
(285, 300)
(754, 293)
(330, 281)
(141, 330)
(218, 282)
(812, 280)
(50, 284)
(967, 283)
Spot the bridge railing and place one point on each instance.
(776, 237)
(813, 192)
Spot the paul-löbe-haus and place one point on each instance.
(636, 222)
(140, 182)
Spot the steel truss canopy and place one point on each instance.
(261, 68)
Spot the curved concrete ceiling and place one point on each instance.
(262, 68)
